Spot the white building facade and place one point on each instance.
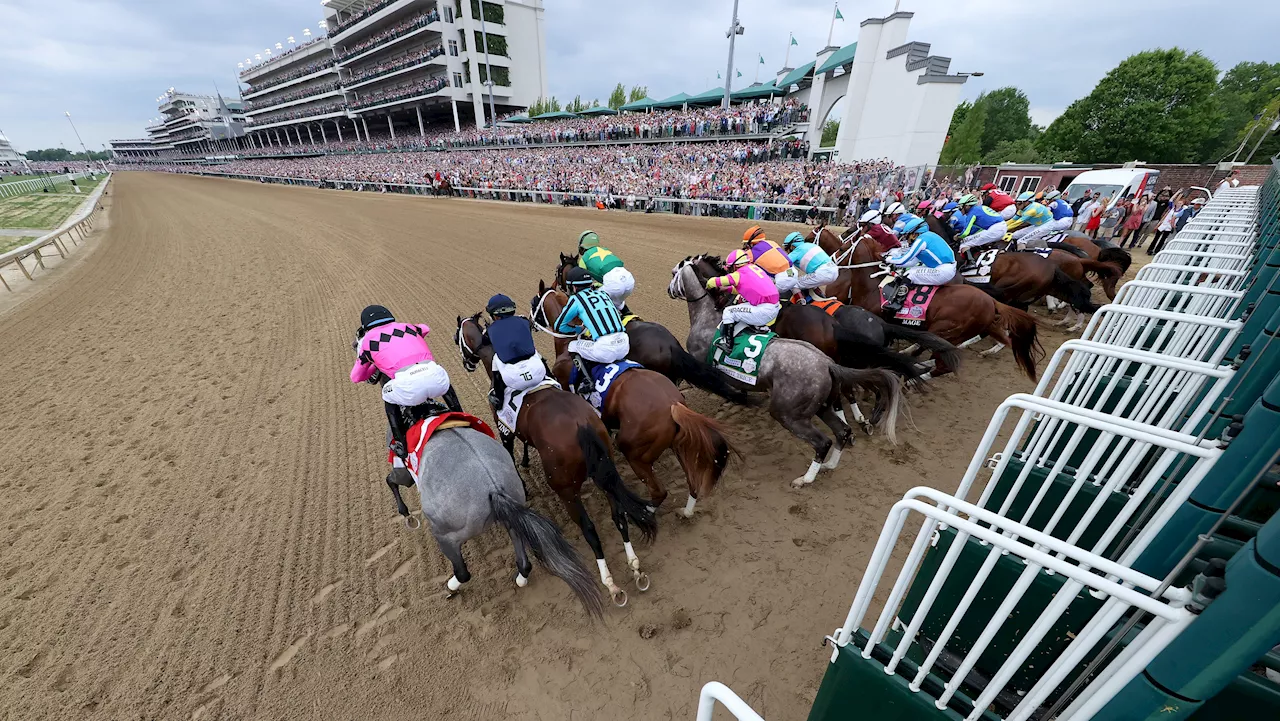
(8, 156)
(189, 124)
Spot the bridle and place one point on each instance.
(470, 358)
(846, 252)
(540, 312)
(679, 282)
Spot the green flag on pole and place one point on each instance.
(838, 15)
(717, 75)
(762, 60)
(739, 73)
(793, 41)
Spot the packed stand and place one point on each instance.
(311, 67)
(308, 111)
(421, 86)
(404, 27)
(357, 17)
(318, 89)
(393, 64)
(284, 54)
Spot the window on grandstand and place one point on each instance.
(497, 44)
(492, 13)
(448, 14)
(1008, 183)
(453, 48)
(457, 80)
(1030, 182)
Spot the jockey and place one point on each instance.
(812, 261)
(1033, 216)
(871, 226)
(998, 200)
(400, 352)
(517, 364)
(601, 335)
(927, 260)
(605, 268)
(896, 216)
(976, 225)
(1063, 217)
(757, 289)
(764, 252)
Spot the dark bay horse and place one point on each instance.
(650, 416)
(573, 445)
(656, 348)
(1102, 258)
(959, 313)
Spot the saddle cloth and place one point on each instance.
(916, 306)
(602, 377)
(830, 306)
(980, 270)
(509, 413)
(743, 362)
(421, 432)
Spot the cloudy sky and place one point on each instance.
(105, 61)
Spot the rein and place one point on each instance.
(845, 253)
(540, 311)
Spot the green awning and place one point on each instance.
(557, 115)
(597, 110)
(674, 101)
(642, 104)
(518, 119)
(796, 76)
(762, 90)
(713, 95)
(843, 56)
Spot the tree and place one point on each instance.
(63, 155)
(830, 130)
(544, 105)
(638, 92)
(577, 105)
(1156, 106)
(1243, 93)
(958, 116)
(1023, 150)
(618, 97)
(1008, 117)
(965, 146)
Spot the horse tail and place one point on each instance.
(883, 383)
(700, 375)
(601, 469)
(1102, 270)
(1024, 338)
(703, 447)
(1115, 255)
(1068, 248)
(1076, 293)
(947, 354)
(854, 352)
(542, 536)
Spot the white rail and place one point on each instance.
(76, 228)
(37, 184)
(716, 691)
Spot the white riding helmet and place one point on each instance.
(1052, 195)
(895, 209)
(871, 216)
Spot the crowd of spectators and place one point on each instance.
(358, 16)
(391, 65)
(421, 86)
(311, 67)
(283, 54)
(403, 27)
(298, 94)
(294, 113)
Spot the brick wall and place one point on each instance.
(1176, 176)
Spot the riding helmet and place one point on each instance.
(588, 239)
(792, 239)
(950, 207)
(871, 216)
(913, 226)
(577, 279)
(969, 199)
(374, 316)
(753, 233)
(1052, 195)
(500, 306)
(895, 209)
(1026, 197)
(736, 258)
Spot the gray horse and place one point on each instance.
(801, 380)
(467, 482)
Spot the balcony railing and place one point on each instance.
(402, 92)
(282, 98)
(403, 27)
(297, 113)
(353, 19)
(390, 66)
(309, 68)
(270, 62)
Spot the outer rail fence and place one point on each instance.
(646, 203)
(76, 228)
(35, 185)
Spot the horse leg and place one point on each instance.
(853, 409)
(524, 459)
(993, 349)
(633, 561)
(805, 430)
(641, 460)
(452, 550)
(523, 567)
(578, 513)
(843, 433)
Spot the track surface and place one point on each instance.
(194, 524)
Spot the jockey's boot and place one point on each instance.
(896, 295)
(497, 392)
(725, 342)
(584, 384)
(451, 401)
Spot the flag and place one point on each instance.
(762, 60)
(793, 40)
(717, 75)
(838, 15)
(739, 73)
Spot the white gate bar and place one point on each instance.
(1182, 334)
(715, 691)
(1212, 302)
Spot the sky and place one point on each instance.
(106, 61)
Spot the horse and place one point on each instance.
(959, 313)
(1107, 262)
(1022, 278)
(466, 484)
(801, 380)
(656, 348)
(573, 444)
(650, 416)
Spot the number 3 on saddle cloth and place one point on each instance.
(603, 377)
(420, 432)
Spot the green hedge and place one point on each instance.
(497, 44)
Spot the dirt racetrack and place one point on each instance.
(195, 525)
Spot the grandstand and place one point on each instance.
(188, 124)
(8, 156)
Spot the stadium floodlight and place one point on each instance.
(240, 66)
(306, 32)
(290, 39)
(279, 46)
(259, 57)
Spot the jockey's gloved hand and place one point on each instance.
(398, 448)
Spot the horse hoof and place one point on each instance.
(867, 428)
(800, 482)
(619, 597)
(642, 581)
(412, 523)
(521, 581)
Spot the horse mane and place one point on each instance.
(715, 261)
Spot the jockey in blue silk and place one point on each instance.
(1033, 215)
(976, 225)
(816, 267)
(1062, 218)
(895, 216)
(925, 259)
(517, 365)
(601, 335)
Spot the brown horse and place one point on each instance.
(1101, 258)
(650, 416)
(573, 444)
(959, 313)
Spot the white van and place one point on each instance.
(1116, 184)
